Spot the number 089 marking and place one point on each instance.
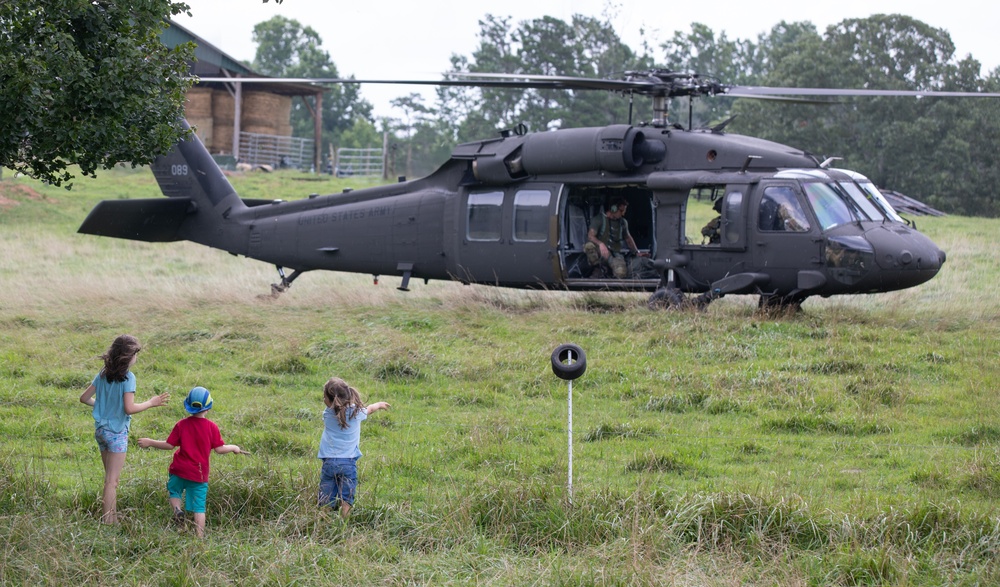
(178, 170)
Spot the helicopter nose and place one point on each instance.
(904, 256)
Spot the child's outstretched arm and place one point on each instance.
(221, 450)
(133, 408)
(87, 397)
(372, 408)
(150, 443)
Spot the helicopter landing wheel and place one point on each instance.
(286, 282)
(666, 298)
(779, 304)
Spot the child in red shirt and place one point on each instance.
(194, 437)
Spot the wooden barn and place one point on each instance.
(242, 121)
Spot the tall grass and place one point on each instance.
(854, 443)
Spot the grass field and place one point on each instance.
(854, 443)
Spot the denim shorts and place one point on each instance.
(337, 481)
(194, 493)
(109, 441)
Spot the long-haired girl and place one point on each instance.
(339, 445)
(112, 395)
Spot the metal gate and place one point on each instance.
(362, 162)
(276, 150)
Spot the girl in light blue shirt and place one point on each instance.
(112, 395)
(339, 447)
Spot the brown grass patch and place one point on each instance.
(11, 193)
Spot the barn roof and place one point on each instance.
(210, 61)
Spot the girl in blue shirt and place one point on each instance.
(339, 445)
(112, 395)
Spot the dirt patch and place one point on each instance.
(11, 194)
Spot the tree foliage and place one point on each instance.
(585, 47)
(929, 148)
(940, 150)
(88, 83)
(285, 48)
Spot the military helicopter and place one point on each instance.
(517, 210)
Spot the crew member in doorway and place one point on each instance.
(607, 236)
(713, 230)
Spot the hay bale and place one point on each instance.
(198, 104)
(223, 105)
(283, 112)
(203, 127)
(264, 109)
(222, 136)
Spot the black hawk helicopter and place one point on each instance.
(517, 210)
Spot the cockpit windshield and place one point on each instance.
(876, 196)
(840, 202)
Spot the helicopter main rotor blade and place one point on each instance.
(761, 92)
(658, 83)
(333, 80)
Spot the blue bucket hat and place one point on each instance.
(198, 400)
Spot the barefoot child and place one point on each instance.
(194, 437)
(338, 447)
(112, 395)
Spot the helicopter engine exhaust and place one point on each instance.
(618, 147)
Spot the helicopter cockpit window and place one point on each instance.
(780, 211)
(485, 216)
(830, 209)
(861, 199)
(531, 215)
(876, 196)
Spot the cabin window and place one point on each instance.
(531, 215)
(780, 211)
(732, 232)
(702, 215)
(485, 216)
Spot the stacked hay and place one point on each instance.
(265, 113)
(211, 112)
(223, 111)
(198, 111)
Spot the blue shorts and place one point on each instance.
(194, 493)
(337, 481)
(109, 441)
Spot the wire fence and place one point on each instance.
(360, 162)
(276, 151)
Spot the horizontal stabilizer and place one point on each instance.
(154, 220)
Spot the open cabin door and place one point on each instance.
(583, 207)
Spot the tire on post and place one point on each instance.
(561, 365)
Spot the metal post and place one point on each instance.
(569, 474)
(237, 116)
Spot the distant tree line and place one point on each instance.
(89, 84)
(940, 150)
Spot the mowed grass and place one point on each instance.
(854, 443)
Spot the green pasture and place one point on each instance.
(854, 443)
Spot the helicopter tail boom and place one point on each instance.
(198, 204)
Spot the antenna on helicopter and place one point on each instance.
(746, 164)
(828, 161)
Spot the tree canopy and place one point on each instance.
(88, 83)
(286, 48)
(941, 150)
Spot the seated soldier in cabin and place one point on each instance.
(607, 235)
(713, 230)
